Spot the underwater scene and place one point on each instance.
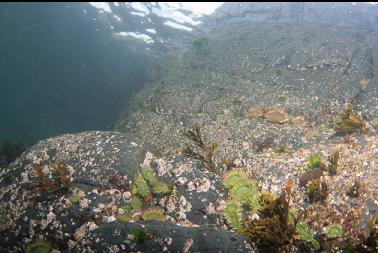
(189, 127)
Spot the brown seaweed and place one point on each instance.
(204, 152)
(274, 232)
(333, 161)
(317, 191)
(350, 122)
(369, 244)
(63, 180)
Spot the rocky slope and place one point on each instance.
(269, 95)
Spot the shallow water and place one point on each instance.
(188, 127)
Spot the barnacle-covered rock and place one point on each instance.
(91, 201)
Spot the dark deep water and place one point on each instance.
(61, 71)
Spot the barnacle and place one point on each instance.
(233, 214)
(153, 214)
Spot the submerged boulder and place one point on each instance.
(99, 169)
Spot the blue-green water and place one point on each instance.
(61, 71)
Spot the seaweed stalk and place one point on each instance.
(205, 152)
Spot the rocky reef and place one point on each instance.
(260, 138)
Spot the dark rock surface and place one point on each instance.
(173, 238)
(305, 70)
(92, 159)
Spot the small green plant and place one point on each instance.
(242, 190)
(39, 247)
(141, 186)
(312, 187)
(150, 176)
(125, 218)
(279, 72)
(136, 203)
(334, 231)
(147, 183)
(306, 234)
(139, 236)
(74, 198)
(336, 122)
(153, 214)
(247, 193)
(199, 42)
(321, 128)
(234, 177)
(374, 122)
(161, 188)
(313, 161)
(233, 214)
